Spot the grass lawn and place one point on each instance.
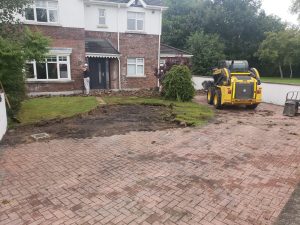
(37, 109)
(188, 112)
(281, 81)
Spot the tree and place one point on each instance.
(295, 8)
(8, 20)
(207, 49)
(291, 41)
(271, 51)
(13, 56)
(181, 19)
(281, 48)
(241, 25)
(17, 45)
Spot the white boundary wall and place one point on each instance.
(276, 93)
(3, 117)
(272, 93)
(199, 80)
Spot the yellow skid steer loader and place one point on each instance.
(234, 84)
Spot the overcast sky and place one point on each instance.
(279, 8)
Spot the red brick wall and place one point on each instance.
(131, 45)
(65, 38)
(144, 46)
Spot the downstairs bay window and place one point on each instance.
(54, 68)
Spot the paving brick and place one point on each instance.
(229, 173)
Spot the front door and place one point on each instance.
(98, 73)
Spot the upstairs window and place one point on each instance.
(102, 20)
(42, 11)
(135, 21)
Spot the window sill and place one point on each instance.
(102, 26)
(49, 81)
(135, 32)
(137, 76)
(42, 23)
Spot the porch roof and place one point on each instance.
(100, 48)
(167, 51)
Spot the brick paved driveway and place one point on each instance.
(240, 169)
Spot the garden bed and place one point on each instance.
(119, 116)
(103, 121)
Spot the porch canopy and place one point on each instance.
(100, 48)
(167, 51)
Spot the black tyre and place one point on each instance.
(210, 96)
(218, 100)
(254, 106)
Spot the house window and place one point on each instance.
(53, 68)
(102, 20)
(42, 11)
(135, 67)
(135, 21)
(162, 62)
(30, 70)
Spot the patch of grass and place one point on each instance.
(38, 109)
(190, 113)
(277, 80)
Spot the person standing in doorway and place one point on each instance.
(86, 78)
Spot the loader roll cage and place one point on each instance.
(235, 66)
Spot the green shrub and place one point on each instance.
(11, 73)
(13, 57)
(178, 84)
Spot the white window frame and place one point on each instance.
(136, 67)
(58, 63)
(162, 62)
(104, 16)
(136, 21)
(34, 7)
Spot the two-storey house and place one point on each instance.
(119, 39)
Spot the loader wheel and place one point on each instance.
(254, 106)
(210, 96)
(218, 100)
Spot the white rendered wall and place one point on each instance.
(199, 80)
(3, 117)
(272, 93)
(276, 93)
(71, 14)
(76, 14)
(113, 15)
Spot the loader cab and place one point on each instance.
(234, 66)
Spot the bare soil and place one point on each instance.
(101, 122)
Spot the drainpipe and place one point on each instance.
(120, 86)
(119, 60)
(159, 43)
(118, 27)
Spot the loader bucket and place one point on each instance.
(292, 104)
(291, 108)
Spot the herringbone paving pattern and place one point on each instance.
(239, 170)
